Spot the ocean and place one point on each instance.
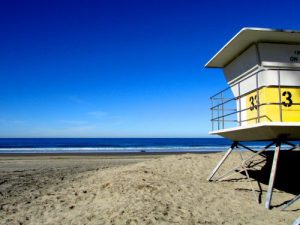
(116, 145)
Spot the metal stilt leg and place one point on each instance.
(222, 161)
(272, 176)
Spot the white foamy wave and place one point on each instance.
(120, 149)
(111, 149)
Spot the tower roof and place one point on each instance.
(247, 36)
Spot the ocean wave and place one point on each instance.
(118, 149)
(107, 149)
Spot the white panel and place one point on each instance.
(267, 78)
(287, 78)
(279, 55)
(243, 63)
(248, 85)
(290, 78)
(235, 90)
(243, 113)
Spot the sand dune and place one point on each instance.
(167, 190)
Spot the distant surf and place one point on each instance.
(115, 145)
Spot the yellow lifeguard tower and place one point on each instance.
(262, 69)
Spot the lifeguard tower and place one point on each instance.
(262, 69)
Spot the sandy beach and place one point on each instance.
(152, 189)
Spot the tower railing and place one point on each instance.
(227, 110)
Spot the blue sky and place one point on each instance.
(118, 68)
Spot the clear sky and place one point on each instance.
(118, 68)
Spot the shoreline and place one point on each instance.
(100, 154)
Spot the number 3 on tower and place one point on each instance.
(288, 96)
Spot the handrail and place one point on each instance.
(243, 95)
(258, 105)
(223, 103)
(218, 101)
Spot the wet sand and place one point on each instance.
(131, 189)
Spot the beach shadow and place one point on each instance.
(287, 175)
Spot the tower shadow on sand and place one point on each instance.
(287, 175)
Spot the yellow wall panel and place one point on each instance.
(271, 113)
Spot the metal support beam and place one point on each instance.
(238, 166)
(290, 202)
(251, 150)
(244, 166)
(234, 144)
(272, 176)
(294, 146)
